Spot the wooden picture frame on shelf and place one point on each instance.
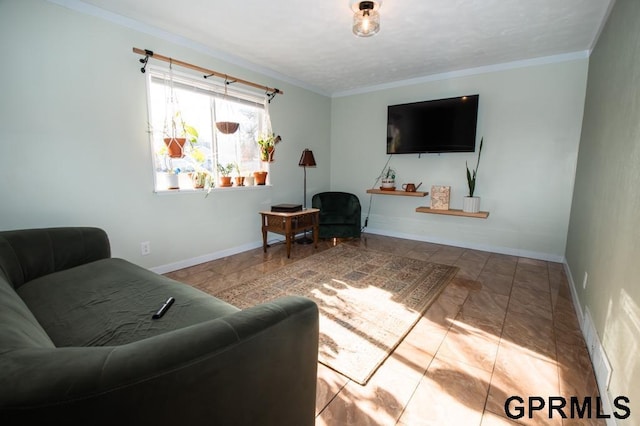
(440, 195)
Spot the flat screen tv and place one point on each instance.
(441, 125)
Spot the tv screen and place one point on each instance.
(442, 125)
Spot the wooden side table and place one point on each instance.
(290, 224)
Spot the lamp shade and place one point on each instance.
(366, 20)
(307, 158)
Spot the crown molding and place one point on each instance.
(467, 72)
(88, 9)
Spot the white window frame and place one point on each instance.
(216, 91)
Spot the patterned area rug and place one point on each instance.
(368, 301)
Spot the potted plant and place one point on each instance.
(200, 179)
(471, 204)
(261, 177)
(239, 179)
(267, 144)
(176, 134)
(170, 179)
(389, 179)
(225, 172)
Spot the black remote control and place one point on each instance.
(164, 308)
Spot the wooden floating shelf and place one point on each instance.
(401, 193)
(452, 212)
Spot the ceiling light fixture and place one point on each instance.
(366, 19)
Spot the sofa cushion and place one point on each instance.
(30, 253)
(18, 327)
(111, 301)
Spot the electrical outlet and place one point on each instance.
(145, 248)
(584, 282)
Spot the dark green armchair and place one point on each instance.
(340, 214)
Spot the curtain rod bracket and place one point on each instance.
(144, 60)
(272, 94)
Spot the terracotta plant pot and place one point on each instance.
(175, 146)
(266, 154)
(239, 180)
(261, 177)
(225, 181)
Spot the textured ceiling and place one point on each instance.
(311, 42)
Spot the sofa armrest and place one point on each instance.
(256, 366)
(27, 254)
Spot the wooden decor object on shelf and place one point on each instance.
(440, 197)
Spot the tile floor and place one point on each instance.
(505, 326)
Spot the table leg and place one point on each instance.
(288, 236)
(264, 236)
(316, 229)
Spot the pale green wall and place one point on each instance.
(72, 78)
(73, 122)
(530, 119)
(604, 231)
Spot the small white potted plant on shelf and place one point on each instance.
(389, 180)
(471, 204)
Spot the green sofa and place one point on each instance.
(78, 345)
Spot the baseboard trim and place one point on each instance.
(596, 351)
(482, 247)
(574, 294)
(186, 263)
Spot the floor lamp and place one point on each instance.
(306, 160)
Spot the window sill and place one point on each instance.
(213, 190)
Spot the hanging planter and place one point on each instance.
(266, 154)
(176, 131)
(176, 135)
(175, 146)
(268, 146)
(226, 126)
(266, 138)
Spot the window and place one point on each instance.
(181, 106)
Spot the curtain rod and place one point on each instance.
(270, 91)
